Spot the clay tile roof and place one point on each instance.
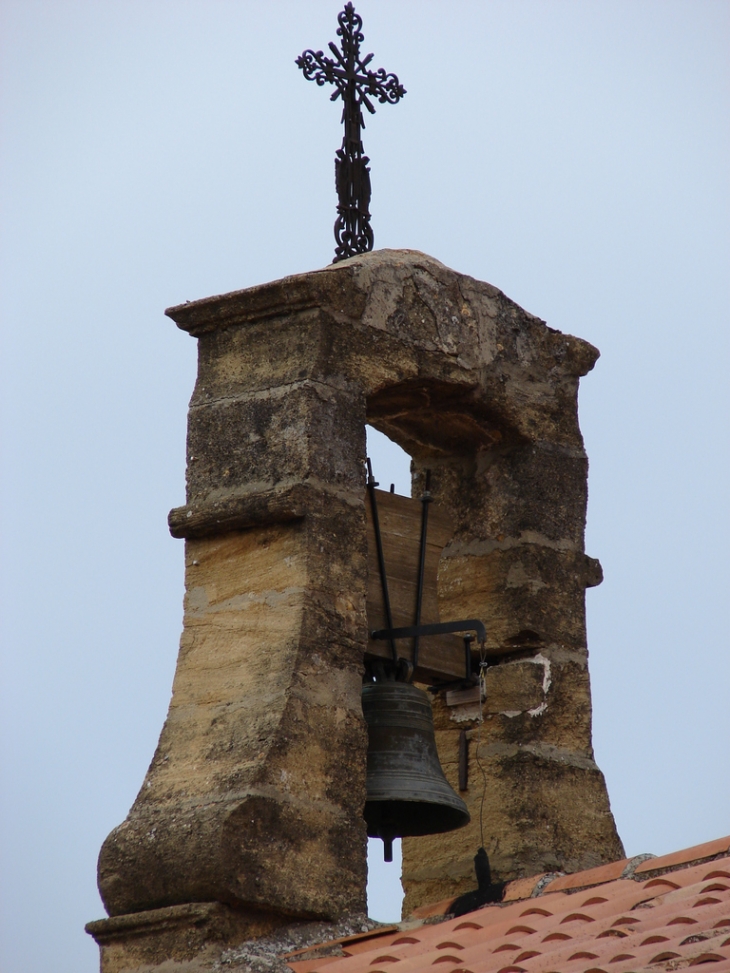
(641, 914)
(697, 853)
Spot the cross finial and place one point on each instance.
(357, 86)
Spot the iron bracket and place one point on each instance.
(438, 628)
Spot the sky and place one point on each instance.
(574, 153)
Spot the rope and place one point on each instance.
(482, 697)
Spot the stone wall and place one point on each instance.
(254, 796)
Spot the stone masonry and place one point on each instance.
(250, 815)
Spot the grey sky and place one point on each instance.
(572, 152)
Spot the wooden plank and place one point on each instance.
(440, 656)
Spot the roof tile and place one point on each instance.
(522, 888)
(592, 876)
(440, 908)
(311, 965)
(652, 922)
(721, 846)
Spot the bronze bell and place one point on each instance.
(407, 793)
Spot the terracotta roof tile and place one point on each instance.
(312, 965)
(599, 923)
(721, 846)
(434, 909)
(592, 876)
(523, 888)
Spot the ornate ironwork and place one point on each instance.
(357, 85)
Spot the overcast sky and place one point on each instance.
(574, 153)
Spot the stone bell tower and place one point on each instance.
(250, 815)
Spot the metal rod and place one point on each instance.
(468, 639)
(381, 559)
(425, 500)
(463, 761)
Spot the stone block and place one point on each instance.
(188, 938)
(527, 596)
(515, 688)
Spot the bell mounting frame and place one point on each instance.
(417, 630)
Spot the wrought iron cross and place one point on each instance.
(356, 85)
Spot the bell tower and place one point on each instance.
(251, 813)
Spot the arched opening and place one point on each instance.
(391, 465)
(384, 889)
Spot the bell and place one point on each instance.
(407, 793)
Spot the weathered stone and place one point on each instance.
(260, 691)
(192, 937)
(516, 688)
(536, 710)
(544, 810)
(254, 797)
(532, 595)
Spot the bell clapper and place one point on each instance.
(404, 672)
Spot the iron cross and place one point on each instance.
(356, 85)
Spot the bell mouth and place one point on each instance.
(413, 818)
